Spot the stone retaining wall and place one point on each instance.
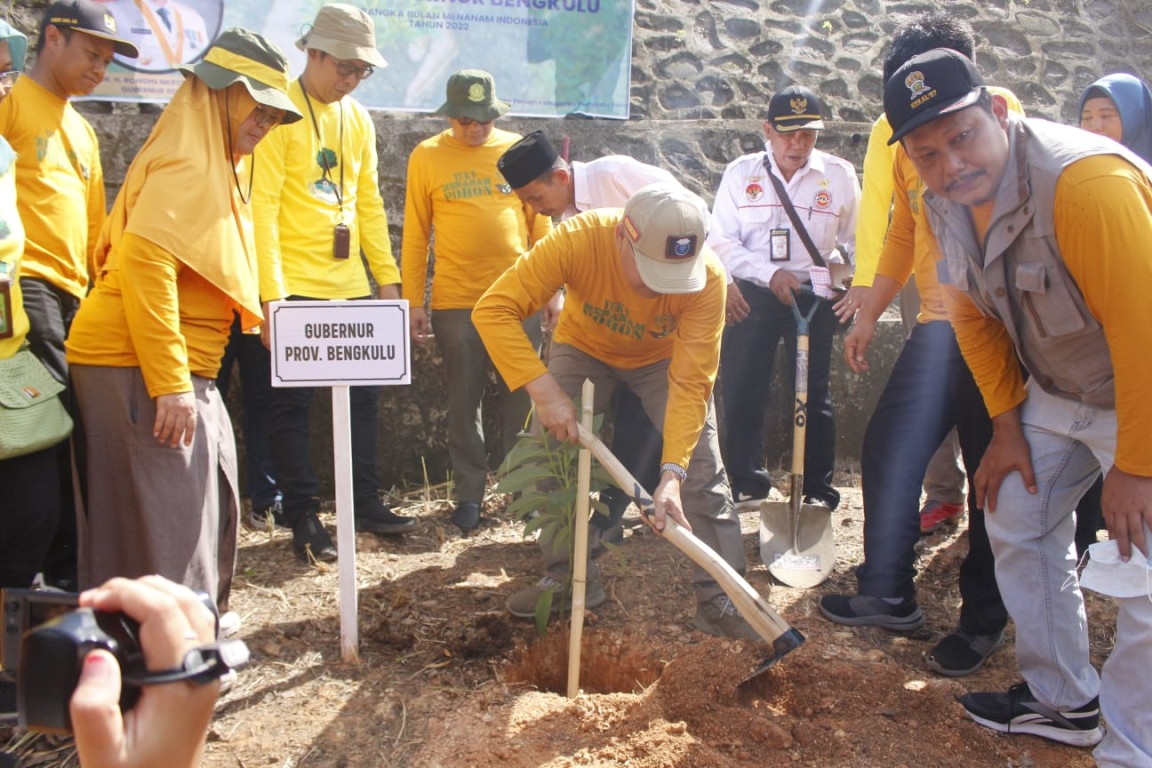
(702, 73)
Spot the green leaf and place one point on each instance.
(523, 478)
(534, 523)
(526, 505)
(544, 611)
(527, 450)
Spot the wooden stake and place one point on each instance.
(580, 546)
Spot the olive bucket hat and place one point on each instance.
(471, 93)
(239, 55)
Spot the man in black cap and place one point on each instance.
(456, 198)
(768, 260)
(556, 187)
(60, 198)
(1022, 210)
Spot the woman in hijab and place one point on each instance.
(156, 456)
(1120, 107)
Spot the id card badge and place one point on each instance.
(781, 245)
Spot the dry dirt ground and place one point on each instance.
(446, 678)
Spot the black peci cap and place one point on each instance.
(527, 160)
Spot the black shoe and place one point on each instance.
(466, 516)
(258, 519)
(310, 540)
(379, 518)
(867, 611)
(961, 654)
(1017, 711)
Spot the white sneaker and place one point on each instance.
(230, 623)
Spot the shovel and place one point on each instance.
(767, 623)
(795, 538)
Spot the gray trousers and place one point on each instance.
(706, 497)
(143, 507)
(1032, 538)
(466, 365)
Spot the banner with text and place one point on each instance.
(550, 57)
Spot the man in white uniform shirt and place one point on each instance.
(168, 33)
(768, 263)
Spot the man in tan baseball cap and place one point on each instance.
(314, 216)
(645, 309)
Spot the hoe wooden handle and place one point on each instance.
(746, 599)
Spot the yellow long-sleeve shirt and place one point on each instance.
(606, 318)
(456, 196)
(1103, 228)
(149, 310)
(295, 208)
(893, 237)
(59, 185)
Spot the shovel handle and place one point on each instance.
(747, 600)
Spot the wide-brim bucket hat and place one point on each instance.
(471, 93)
(343, 32)
(243, 56)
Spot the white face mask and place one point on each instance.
(1107, 574)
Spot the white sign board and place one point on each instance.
(340, 343)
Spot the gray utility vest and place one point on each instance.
(1019, 276)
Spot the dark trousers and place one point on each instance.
(638, 445)
(50, 313)
(288, 434)
(31, 491)
(746, 364)
(255, 363)
(929, 392)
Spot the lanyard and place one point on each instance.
(323, 155)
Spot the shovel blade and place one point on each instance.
(810, 561)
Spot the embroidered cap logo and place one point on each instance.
(915, 82)
(680, 247)
(799, 105)
(476, 92)
(109, 22)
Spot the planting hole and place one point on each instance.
(608, 664)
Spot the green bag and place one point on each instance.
(32, 416)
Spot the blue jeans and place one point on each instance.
(929, 391)
(247, 351)
(746, 363)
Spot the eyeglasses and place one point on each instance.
(8, 79)
(267, 118)
(347, 70)
(467, 122)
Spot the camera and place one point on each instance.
(45, 639)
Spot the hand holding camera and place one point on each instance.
(144, 662)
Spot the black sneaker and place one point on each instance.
(867, 611)
(310, 540)
(466, 516)
(264, 519)
(379, 518)
(961, 654)
(1017, 711)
